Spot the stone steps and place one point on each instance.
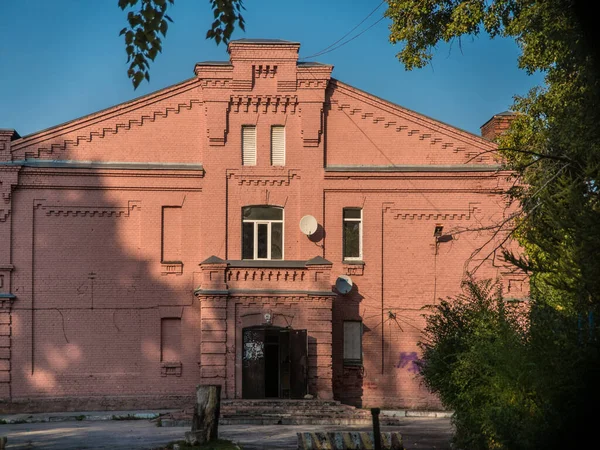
(283, 412)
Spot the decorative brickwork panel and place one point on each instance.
(171, 233)
(170, 339)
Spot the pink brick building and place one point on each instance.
(156, 245)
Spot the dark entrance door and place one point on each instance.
(299, 363)
(253, 363)
(274, 363)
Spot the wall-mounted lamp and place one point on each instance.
(438, 231)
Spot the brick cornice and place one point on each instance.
(412, 116)
(92, 119)
(263, 177)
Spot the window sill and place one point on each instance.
(353, 364)
(170, 368)
(173, 267)
(354, 267)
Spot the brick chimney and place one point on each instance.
(497, 125)
(6, 136)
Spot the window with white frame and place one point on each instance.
(278, 145)
(353, 342)
(249, 145)
(352, 234)
(262, 232)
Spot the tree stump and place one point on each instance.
(205, 422)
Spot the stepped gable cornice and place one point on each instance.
(39, 137)
(410, 115)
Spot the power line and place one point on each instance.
(327, 49)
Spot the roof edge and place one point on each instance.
(415, 168)
(502, 114)
(65, 126)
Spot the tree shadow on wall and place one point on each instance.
(348, 374)
(105, 315)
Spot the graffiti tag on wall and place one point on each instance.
(408, 361)
(253, 346)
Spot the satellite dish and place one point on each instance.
(308, 225)
(343, 284)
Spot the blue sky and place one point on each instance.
(62, 59)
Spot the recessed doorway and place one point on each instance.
(274, 362)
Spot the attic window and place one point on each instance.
(249, 145)
(278, 145)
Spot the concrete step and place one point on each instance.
(285, 409)
(278, 402)
(294, 421)
(283, 412)
(290, 420)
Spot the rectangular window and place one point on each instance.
(278, 145)
(170, 339)
(352, 233)
(262, 232)
(352, 342)
(249, 145)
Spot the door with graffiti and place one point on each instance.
(274, 363)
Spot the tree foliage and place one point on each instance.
(515, 378)
(553, 145)
(544, 397)
(148, 22)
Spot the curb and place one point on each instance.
(77, 417)
(150, 415)
(411, 413)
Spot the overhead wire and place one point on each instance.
(329, 48)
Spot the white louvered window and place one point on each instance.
(278, 146)
(249, 145)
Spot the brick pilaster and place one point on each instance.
(213, 321)
(5, 335)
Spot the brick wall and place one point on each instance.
(91, 248)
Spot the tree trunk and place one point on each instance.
(205, 423)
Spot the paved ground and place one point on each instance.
(425, 433)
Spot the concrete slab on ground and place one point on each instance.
(81, 416)
(424, 433)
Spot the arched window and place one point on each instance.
(262, 232)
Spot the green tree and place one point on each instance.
(553, 148)
(514, 381)
(148, 22)
(554, 144)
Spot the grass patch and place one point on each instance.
(219, 444)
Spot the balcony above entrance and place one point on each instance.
(221, 277)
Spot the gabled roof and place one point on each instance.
(408, 114)
(103, 114)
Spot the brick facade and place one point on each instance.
(126, 225)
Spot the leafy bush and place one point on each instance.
(516, 376)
